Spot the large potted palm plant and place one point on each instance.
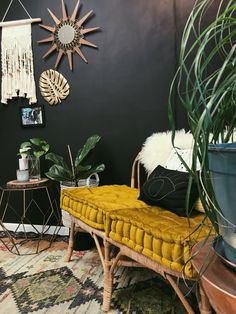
(205, 83)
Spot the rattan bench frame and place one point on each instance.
(110, 261)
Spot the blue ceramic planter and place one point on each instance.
(222, 165)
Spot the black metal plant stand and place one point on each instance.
(28, 202)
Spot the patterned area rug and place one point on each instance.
(44, 283)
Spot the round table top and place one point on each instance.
(26, 184)
(212, 269)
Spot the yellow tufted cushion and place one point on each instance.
(157, 233)
(91, 204)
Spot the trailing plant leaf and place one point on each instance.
(34, 147)
(25, 144)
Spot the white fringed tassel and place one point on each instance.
(17, 64)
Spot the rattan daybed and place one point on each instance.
(149, 236)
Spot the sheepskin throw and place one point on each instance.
(158, 147)
(17, 63)
(175, 163)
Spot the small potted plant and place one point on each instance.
(30, 153)
(74, 173)
(77, 172)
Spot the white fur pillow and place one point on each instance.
(174, 162)
(157, 148)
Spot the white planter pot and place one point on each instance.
(22, 175)
(89, 182)
(23, 164)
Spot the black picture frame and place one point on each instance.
(32, 116)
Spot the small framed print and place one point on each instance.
(32, 116)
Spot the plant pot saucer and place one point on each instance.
(219, 249)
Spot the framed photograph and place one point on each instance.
(32, 116)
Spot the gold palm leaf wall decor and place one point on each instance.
(53, 86)
(68, 35)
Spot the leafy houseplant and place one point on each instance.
(78, 169)
(206, 87)
(31, 151)
(36, 147)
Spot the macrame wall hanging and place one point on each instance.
(17, 58)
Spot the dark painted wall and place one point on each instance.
(121, 94)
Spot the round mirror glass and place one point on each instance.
(66, 34)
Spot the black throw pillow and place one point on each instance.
(168, 188)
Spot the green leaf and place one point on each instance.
(95, 169)
(58, 173)
(45, 148)
(38, 141)
(81, 168)
(58, 160)
(88, 146)
(25, 144)
(36, 146)
(39, 153)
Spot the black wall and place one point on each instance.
(121, 94)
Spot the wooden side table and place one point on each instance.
(217, 281)
(28, 204)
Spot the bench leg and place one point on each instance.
(179, 294)
(108, 279)
(71, 243)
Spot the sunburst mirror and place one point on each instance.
(68, 34)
